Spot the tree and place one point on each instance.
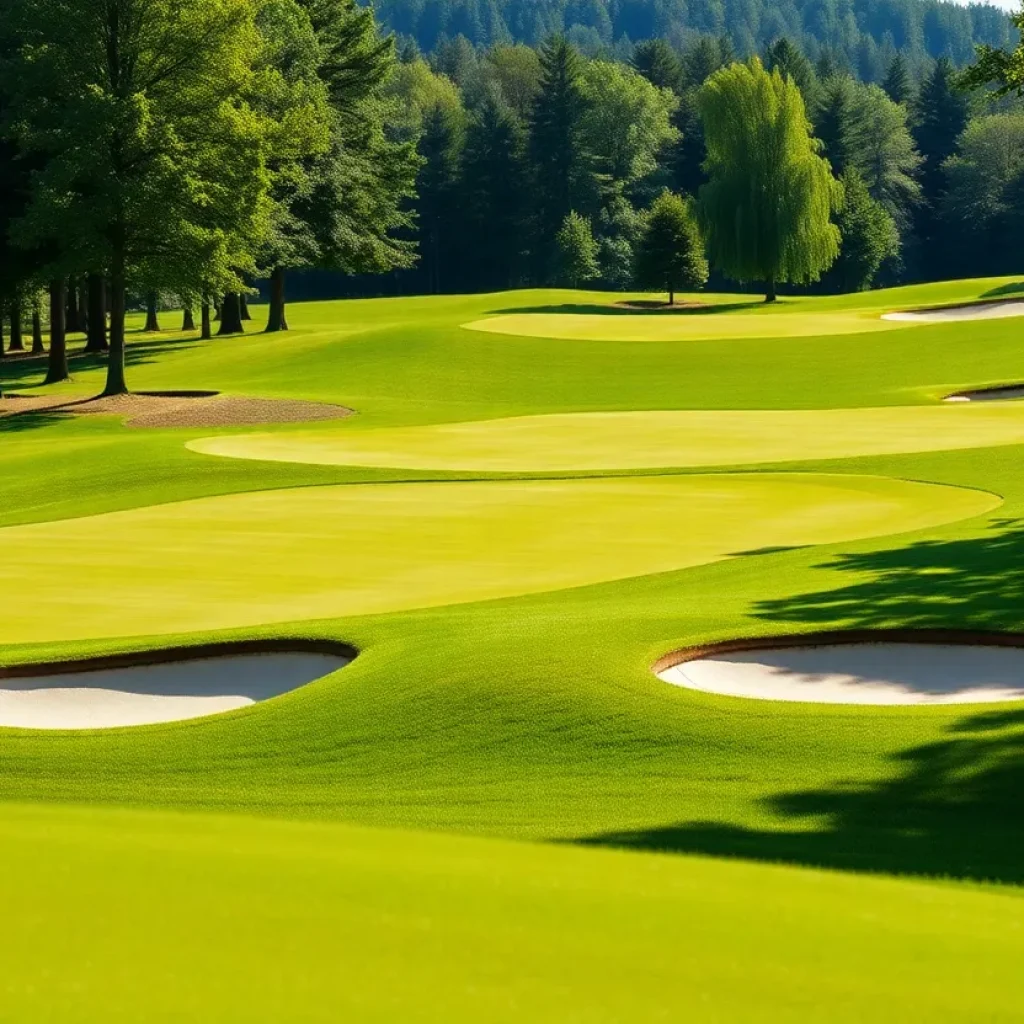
(516, 71)
(563, 178)
(1002, 68)
(494, 188)
(151, 158)
(657, 62)
(349, 194)
(977, 210)
(789, 61)
(439, 202)
(670, 253)
(836, 122)
(941, 113)
(577, 250)
(626, 121)
(768, 202)
(869, 238)
(897, 85)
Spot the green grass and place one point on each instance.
(317, 553)
(386, 926)
(531, 716)
(573, 442)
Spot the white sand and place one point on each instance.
(977, 311)
(145, 694)
(882, 673)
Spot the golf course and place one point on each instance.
(486, 794)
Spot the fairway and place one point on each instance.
(640, 440)
(318, 553)
(366, 922)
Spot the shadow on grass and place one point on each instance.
(1005, 290)
(653, 309)
(952, 807)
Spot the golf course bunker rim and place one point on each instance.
(865, 667)
(170, 684)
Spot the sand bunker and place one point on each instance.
(1002, 393)
(858, 673)
(90, 696)
(179, 409)
(973, 311)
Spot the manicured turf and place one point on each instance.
(211, 918)
(699, 325)
(529, 716)
(640, 440)
(318, 553)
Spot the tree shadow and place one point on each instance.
(975, 582)
(952, 807)
(1004, 289)
(637, 309)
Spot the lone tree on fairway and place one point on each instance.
(670, 254)
(149, 156)
(577, 250)
(769, 199)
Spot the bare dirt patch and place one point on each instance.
(178, 409)
(656, 306)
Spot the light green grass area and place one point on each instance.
(531, 718)
(698, 325)
(640, 440)
(319, 553)
(387, 926)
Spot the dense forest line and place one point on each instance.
(863, 35)
(933, 173)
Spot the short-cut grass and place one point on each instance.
(532, 717)
(581, 442)
(320, 553)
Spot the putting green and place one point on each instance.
(639, 440)
(695, 326)
(324, 552)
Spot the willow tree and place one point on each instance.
(767, 206)
(152, 161)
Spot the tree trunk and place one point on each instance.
(115, 364)
(206, 331)
(83, 307)
(278, 320)
(152, 322)
(37, 329)
(17, 343)
(71, 324)
(671, 295)
(770, 293)
(188, 321)
(243, 307)
(58, 368)
(230, 315)
(96, 339)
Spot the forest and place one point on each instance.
(191, 154)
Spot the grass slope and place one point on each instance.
(271, 921)
(532, 716)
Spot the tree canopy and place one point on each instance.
(768, 204)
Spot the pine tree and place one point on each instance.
(789, 61)
(897, 84)
(657, 62)
(670, 253)
(437, 186)
(495, 190)
(835, 122)
(768, 202)
(563, 178)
